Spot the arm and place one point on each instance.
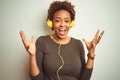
(91, 48)
(88, 67)
(34, 71)
(31, 49)
(39, 59)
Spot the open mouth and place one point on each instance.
(62, 31)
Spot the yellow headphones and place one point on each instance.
(50, 24)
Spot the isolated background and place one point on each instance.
(30, 16)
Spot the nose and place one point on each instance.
(62, 24)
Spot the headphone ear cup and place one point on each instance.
(49, 23)
(72, 23)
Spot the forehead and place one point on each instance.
(61, 14)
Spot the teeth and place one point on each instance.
(62, 31)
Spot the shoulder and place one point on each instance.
(79, 45)
(42, 39)
(77, 41)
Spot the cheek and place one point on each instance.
(55, 26)
(68, 28)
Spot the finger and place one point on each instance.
(96, 35)
(100, 36)
(24, 39)
(33, 39)
(21, 33)
(85, 41)
(93, 44)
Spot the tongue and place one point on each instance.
(62, 32)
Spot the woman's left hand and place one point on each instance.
(92, 44)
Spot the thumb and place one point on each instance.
(85, 41)
(33, 39)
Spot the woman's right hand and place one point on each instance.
(29, 46)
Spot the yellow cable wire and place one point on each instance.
(59, 51)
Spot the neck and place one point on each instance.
(58, 40)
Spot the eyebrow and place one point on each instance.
(60, 18)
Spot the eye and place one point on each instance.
(57, 20)
(67, 21)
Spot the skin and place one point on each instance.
(61, 25)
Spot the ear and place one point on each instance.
(72, 23)
(49, 23)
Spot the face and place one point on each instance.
(61, 23)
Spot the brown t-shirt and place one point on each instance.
(65, 61)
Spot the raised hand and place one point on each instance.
(92, 44)
(29, 46)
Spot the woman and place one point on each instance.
(59, 56)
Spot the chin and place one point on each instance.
(62, 36)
